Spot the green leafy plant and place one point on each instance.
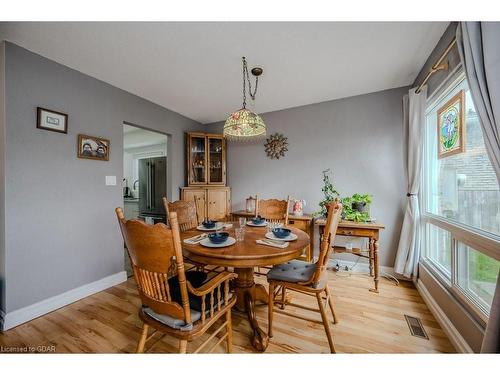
(329, 191)
(361, 198)
(352, 214)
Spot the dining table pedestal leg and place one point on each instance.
(247, 293)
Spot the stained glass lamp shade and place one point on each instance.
(244, 125)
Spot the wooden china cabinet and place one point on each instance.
(206, 175)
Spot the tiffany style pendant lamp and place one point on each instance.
(244, 124)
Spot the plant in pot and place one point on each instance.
(356, 207)
(329, 191)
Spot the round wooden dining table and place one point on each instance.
(244, 256)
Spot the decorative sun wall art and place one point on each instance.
(276, 146)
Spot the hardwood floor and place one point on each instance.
(107, 322)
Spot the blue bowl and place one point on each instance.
(281, 232)
(209, 224)
(218, 237)
(258, 220)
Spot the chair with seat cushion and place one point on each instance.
(307, 278)
(174, 302)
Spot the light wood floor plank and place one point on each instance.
(107, 322)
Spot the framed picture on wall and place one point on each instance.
(451, 122)
(95, 148)
(54, 121)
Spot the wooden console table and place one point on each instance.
(365, 230)
(304, 222)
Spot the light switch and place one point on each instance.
(110, 180)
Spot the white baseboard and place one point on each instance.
(28, 313)
(455, 337)
(362, 267)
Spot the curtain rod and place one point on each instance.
(438, 65)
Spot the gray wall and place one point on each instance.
(359, 138)
(2, 177)
(453, 60)
(61, 230)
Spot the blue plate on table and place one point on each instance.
(281, 232)
(258, 220)
(208, 224)
(218, 237)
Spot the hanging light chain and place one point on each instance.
(246, 77)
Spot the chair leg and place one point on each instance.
(229, 330)
(330, 302)
(270, 307)
(283, 294)
(142, 340)
(182, 346)
(325, 322)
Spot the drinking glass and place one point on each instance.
(271, 226)
(240, 234)
(243, 221)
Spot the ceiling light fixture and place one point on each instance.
(244, 124)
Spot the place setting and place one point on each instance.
(211, 225)
(277, 236)
(256, 221)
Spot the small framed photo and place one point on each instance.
(451, 126)
(51, 120)
(90, 147)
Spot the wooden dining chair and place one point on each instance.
(187, 215)
(273, 210)
(307, 278)
(185, 305)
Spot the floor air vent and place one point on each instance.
(416, 327)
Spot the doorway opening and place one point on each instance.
(145, 171)
(145, 176)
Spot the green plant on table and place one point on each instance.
(352, 214)
(361, 198)
(329, 191)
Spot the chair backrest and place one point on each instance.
(274, 210)
(155, 250)
(334, 210)
(187, 217)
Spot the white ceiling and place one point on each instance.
(195, 68)
(134, 137)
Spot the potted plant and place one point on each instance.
(329, 191)
(360, 202)
(356, 207)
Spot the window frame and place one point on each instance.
(475, 238)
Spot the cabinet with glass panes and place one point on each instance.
(206, 155)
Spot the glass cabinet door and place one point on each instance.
(216, 172)
(198, 160)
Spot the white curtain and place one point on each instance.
(479, 48)
(408, 253)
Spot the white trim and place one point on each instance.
(28, 313)
(363, 267)
(449, 329)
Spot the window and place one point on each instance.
(462, 187)
(460, 204)
(477, 274)
(438, 241)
